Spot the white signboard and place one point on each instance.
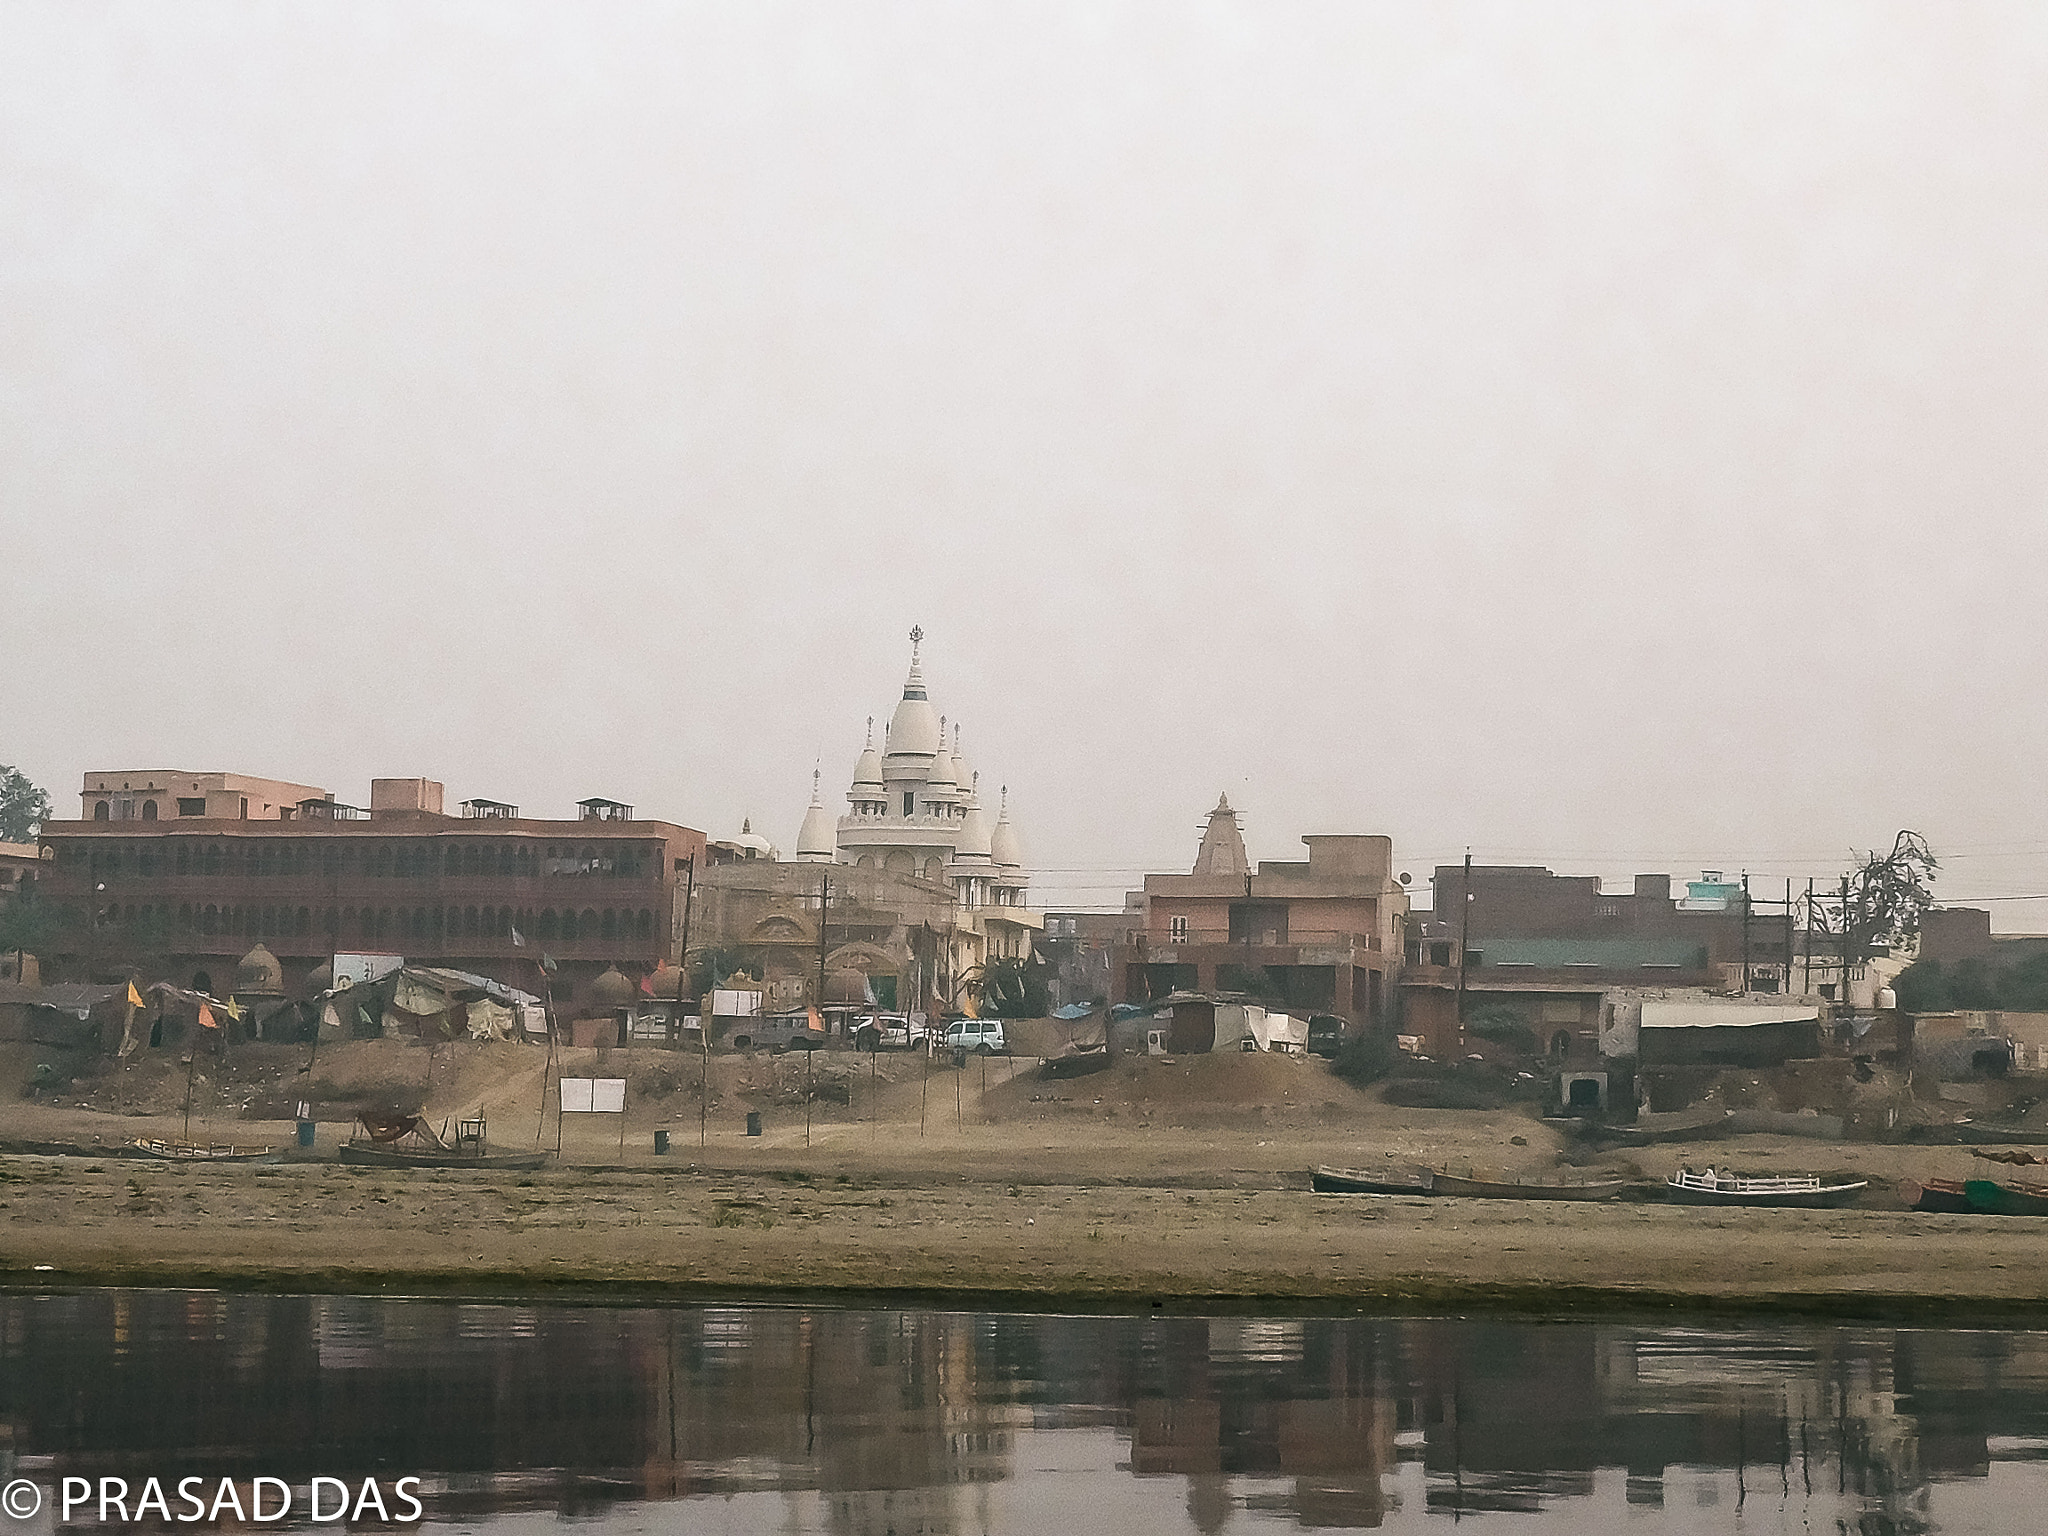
(593, 1095)
(359, 970)
(732, 1003)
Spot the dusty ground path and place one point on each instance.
(938, 1233)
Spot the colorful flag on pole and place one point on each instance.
(234, 1010)
(206, 1019)
(547, 963)
(134, 997)
(518, 938)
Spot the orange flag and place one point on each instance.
(134, 997)
(206, 1020)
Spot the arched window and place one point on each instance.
(383, 864)
(183, 859)
(269, 921)
(453, 863)
(608, 925)
(568, 924)
(587, 924)
(383, 921)
(644, 925)
(149, 810)
(99, 812)
(185, 916)
(469, 921)
(545, 928)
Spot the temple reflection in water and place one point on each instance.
(773, 1418)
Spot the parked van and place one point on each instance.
(984, 1037)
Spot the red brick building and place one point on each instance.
(1322, 935)
(185, 895)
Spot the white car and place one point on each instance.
(984, 1037)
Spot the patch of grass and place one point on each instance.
(727, 1216)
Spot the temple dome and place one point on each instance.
(818, 839)
(1003, 844)
(666, 980)
(975, 835)
(611, 990)
(963, 771)
(943, 779)
(867, 772)
(258, 971)
(914, 728)
(320, 978)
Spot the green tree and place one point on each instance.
(26, 926)
(23, 806)
(1013, 989)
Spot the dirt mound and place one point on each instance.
(1219, 1088)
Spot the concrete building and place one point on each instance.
(1518, 902)
(185, 895)
(1322, 935)
(165, 794)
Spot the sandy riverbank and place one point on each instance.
(1183, 1183)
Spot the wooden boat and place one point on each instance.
(1942, 1195)
(1496, 1189)
(370, 1155)
(1648, 1130)
(1078, 1063)
(193, 1152)
(1797, 1193)
(1358, 1181)
(1999, 1199)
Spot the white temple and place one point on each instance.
(915, 810)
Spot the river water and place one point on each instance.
(775, 1419)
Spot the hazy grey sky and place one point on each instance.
(1609, 435)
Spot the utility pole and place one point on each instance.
(1788, 934)
(1842, 995)
(824, 897)
(675, 1021)
(1745, 933)
(1807, 989)
(1464, 943)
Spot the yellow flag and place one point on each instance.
(134, 997)
(234, 1011)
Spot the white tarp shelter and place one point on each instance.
(1713, 1013)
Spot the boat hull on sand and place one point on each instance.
(1360, 1181)
(1770, 1194)
(393, 1157)
(1996, 1199)
(1495, 1189)
(1941, 1196)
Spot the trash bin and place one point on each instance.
(753, 1122)
(661, 1143)
(305, 1133)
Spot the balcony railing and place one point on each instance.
(1293, 938)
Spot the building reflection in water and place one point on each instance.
(855, 1422)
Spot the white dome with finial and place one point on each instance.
(867, 772)
(818, 840)
(963, 771)
(913, 738)
(1003, 844)
(974, 831)
(943, 782)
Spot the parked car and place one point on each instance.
(899, 1031)
(1325, 1035)
(776, 1032)
(984, 1037)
